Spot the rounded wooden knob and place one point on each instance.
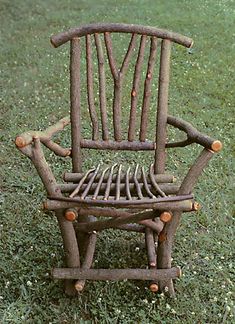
(216, 146)
(153, 287)
(79, 286)
(71, 215)
(19, 142)
(196, 206)
(165, 217)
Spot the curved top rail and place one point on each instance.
(63, 37)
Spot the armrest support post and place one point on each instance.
(195, 171)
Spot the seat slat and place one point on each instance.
(154, 183)
(92, 179)
(137, 183)
(99, 184)
(81, 183)
(146, 187)
(109, 182)
(118, 182)
(128, 193)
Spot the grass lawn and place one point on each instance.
(34, 94)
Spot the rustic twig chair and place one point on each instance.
(134, 200)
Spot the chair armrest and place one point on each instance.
(27, 138)
(193, 135)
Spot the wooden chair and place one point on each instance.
(133, 199)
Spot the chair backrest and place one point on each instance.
(143, 45)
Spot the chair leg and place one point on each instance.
(83, 238)
(88, 259)
(164, 256)
(165, 244)
(72, 257)
(69, 288)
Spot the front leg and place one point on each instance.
(35, 153)
(167, 235)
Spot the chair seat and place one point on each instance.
(114, 186)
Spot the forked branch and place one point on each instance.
(194, 135)
(45, 136)
(118, 76)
